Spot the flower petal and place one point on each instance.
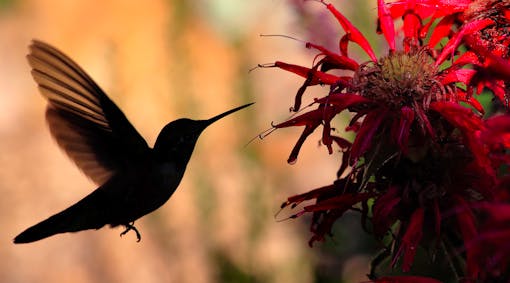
(411, 238)
(352, 33)
(386, 23)
(367, 131)
(405, 279)
(401, 126)
(384, 211)
(340, 61)
(317, 77)
(455, 41)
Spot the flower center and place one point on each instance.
(399, 79)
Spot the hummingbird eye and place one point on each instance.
(186, 138)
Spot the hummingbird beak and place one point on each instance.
(217, 117)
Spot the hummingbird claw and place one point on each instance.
(129, 227)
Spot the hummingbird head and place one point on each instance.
(178, 138)
(180, 134)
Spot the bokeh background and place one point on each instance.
(160, 60)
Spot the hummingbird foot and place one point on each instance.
(129, 227)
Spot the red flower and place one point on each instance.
(423, 151)
(405, 279)
(484, 29)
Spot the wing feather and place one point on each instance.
(86, 124)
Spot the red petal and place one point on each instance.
(448, 7)
(442, 30)
(295, 150)
(343, 100)
(462, 96)
(497, 212)
(401, 126)
(411, 239)
(342, 202)
(412, 24)
(466, 223)
(405, 279)
(467, 57)
(496, 64)
(497, 133)
(341, 142)
(470, 126)
(309, 195)
(459, 116)
(384, 210)
(386, 23)
(498, 88)
(342, 61)
(461, 75)
(317, 77)
(352, 33)
(309, 118)
(367, 131)
(452, 45)
(425, 8)
(423, 120)
(327, 140)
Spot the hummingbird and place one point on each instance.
(133, 178)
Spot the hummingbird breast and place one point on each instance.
(169, 175)
(163, 180)
(143, 191)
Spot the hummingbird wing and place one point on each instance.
(90, 128)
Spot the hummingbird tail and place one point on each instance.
(81, 216)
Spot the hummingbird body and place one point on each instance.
(133, 178)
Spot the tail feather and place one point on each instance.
(88, 213)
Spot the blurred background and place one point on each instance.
(160, 60)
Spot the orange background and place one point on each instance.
(159, 61)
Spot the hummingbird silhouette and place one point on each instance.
(133, 178)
